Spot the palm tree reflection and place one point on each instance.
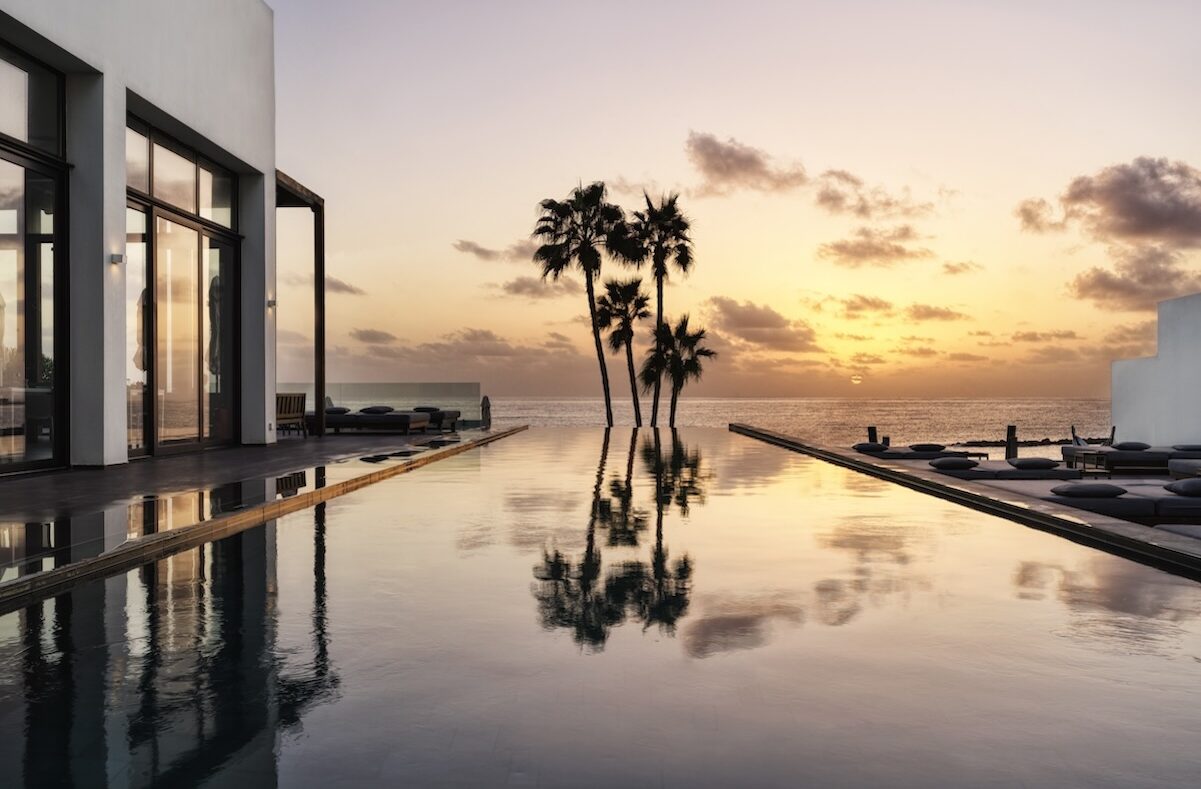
(571, 594)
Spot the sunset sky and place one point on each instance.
(940, 199)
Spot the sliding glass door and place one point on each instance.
(182, 298)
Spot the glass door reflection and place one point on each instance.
(177, 340)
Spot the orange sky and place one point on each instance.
(940, 199)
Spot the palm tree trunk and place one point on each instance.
(675, 396)
(633, 383)
(600, 351)
(658, 323)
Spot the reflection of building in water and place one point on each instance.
(169, 674)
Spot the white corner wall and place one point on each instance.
(1155, 399)
(203, 71)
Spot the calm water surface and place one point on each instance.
(566, 608)
(838, 421)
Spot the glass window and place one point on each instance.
(218, 360)
(137, 310)
(14, 101)
(137, 160)
(174, 178)
(216, 195)
(176, 371)
(30, 99)
(27, 359)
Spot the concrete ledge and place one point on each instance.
(20, 592)
(1165, 550)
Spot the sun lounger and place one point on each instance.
(374, 419)
(1001, 469)
(440, 419)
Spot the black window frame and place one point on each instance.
(56, 167)
(156, 137)
(155, 208)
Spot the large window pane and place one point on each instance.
(30, 102)
(137, 311)
(218, 280)
(216, 195)
(27, 374)
(174, 178)
(137, 160)
(14, 101)
(177, 385)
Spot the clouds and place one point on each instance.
(760, 326)
(859, 306)
(970, 358)
(1146, 201)
(841, 192)
(521, 251)
(332, 284)
(537, 288)
(1148, 212)
(1037, 216)
(1044, 336)
(1140, 277)
(961, 267)
(870, 246)
(373, 336)
(932, 312)
(728, 165)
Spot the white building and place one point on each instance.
(1155, 400)
(137, 228)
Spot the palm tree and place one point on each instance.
(662, 232)
(678, 355)
(575, 231)
(623, 305)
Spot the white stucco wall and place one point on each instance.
(203, 71)
(1156, 399)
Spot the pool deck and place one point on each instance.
(46, 495)
(260, 463)
(1179, 553)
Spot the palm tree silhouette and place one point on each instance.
(678, 355)
(575, 231)
(662, 232)
(623, 305)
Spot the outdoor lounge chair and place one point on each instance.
(440, 419)
(375, 419)
(289, 412)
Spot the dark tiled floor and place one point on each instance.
(49, 495)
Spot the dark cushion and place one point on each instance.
(1088, 490)
(337, 410)
(1185, 487)
(427, 409)
(927, 447)
(869, 447)
(1187, 447)
(377, 409)
(1033, 464)
(953, 464)
(1131, 446)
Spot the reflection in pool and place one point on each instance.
(591, 608)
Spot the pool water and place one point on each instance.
(571, 608)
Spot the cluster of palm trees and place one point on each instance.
(585, 228)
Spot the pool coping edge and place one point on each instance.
(1175, 551)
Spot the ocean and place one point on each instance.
(836, 421)
(830, 421)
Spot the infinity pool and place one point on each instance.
(573, 608)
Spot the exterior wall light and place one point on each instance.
(116, 259)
